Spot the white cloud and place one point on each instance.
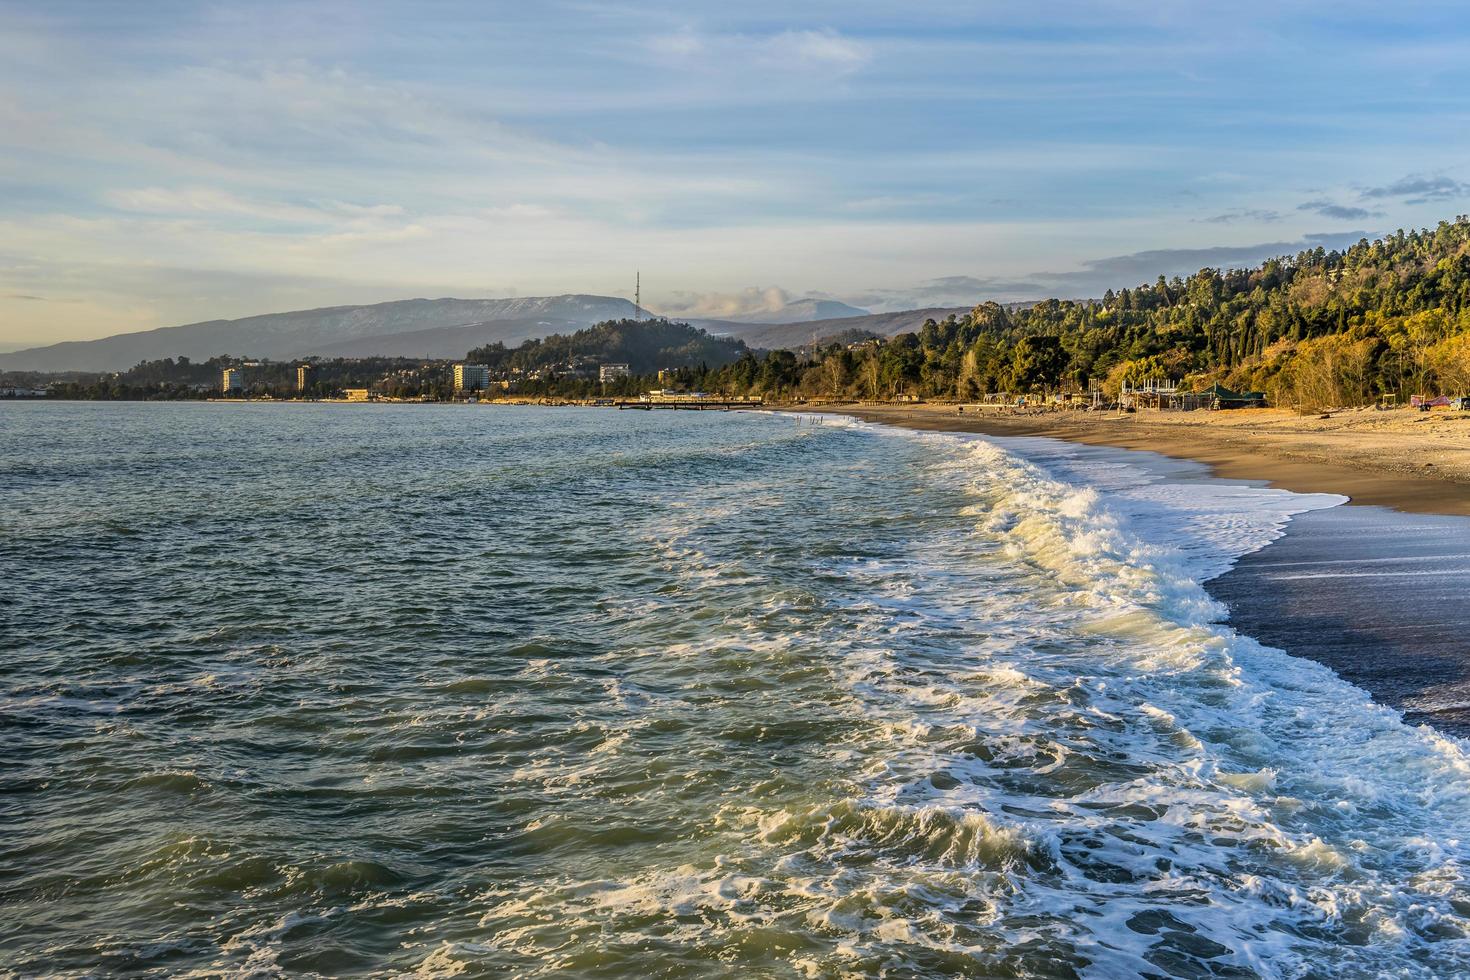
(756, 56)
(825, 48)
(721, 305)
(679, 45)
(371, 236)
(206, 201)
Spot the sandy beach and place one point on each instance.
(1405, 459)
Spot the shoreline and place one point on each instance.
(1371, 594)
(1413, 463)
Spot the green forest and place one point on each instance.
(646, 346)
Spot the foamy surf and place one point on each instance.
(1271, 815)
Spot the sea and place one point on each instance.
(485, 691)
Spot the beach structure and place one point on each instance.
(358, 395)
(1219, 396)
(612, 372)
(1164, 394)
(1150, 393)
(694, 401)
(232, 380)
(669, 394)
(471, 377)
(1431, 401)
(304, 376)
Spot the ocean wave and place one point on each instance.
(1273, 789)
(759, 698)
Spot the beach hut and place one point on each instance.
(1223, 397)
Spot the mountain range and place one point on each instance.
(774, 336)
(439, 328)
(343, 331)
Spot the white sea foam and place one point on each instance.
(1284, 796)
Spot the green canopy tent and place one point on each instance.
(1223, 397)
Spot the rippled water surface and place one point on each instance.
(350, 690)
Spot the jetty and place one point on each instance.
(690, 404)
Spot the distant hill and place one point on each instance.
(788, 336)
(644, 345)
(333, 331)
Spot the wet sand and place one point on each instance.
(1410, 461)
(1378, 596)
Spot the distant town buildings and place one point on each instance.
(611, 372)
(232, 380)
(304, 376)
(471, 377)
(358, 395)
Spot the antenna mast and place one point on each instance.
(638, 295)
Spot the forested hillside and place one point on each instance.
(1321, 328)
(644, 345)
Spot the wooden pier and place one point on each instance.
(692, 404)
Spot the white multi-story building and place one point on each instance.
(233, 379)
(471, 377)
(611, 372)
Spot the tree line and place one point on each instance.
(1320, 328)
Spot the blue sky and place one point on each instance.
(165, 162)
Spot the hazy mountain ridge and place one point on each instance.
(453, 341)
(774, 336)
(436, 328)
(301, 332)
